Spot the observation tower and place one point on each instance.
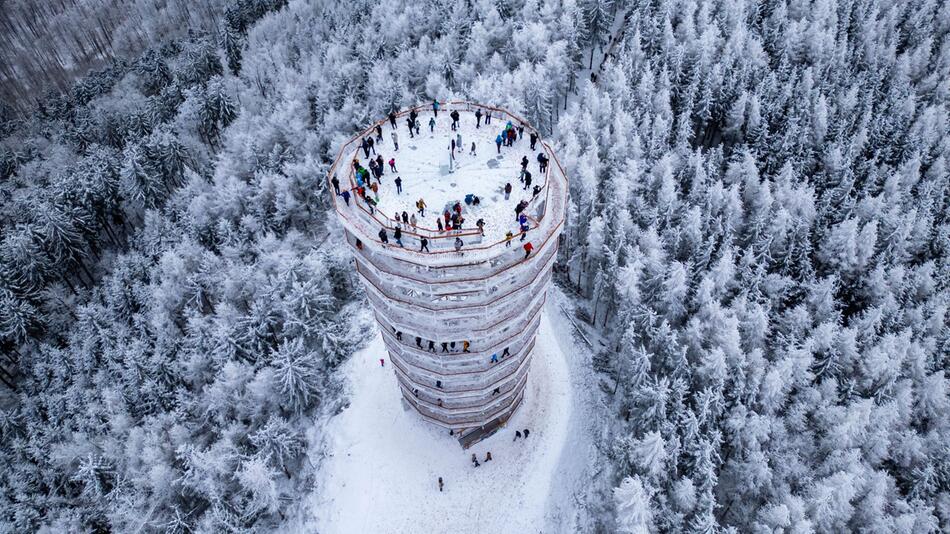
(458, 307)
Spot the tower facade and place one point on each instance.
(459, 323)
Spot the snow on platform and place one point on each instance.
(384, 461)
(423, 164)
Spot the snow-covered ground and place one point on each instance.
(384, 461)
(423, 164)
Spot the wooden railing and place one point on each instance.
(490, 343)
(435, 418)
(368, 235)
(455, 364)
(464, 390)
(372, 279)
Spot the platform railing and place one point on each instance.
(479, 353)
(442, 419)
(462, 391)
(476, 298)
(509, 275)
(552, 207)
(464, 406)
(462, 319)
(456, 366)
(491, 338)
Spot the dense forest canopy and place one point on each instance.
(758, 226)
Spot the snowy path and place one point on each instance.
(383, 460)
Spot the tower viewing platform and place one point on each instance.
(457, 287)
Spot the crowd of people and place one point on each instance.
(369, 179)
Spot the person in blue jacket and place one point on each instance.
(498, 143)
(435, 107)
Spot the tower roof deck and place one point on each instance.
(430, 171)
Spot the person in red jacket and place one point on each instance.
(528, 247)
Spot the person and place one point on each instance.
(431, 124)
(375, 189)
(478, 118)
(440, 403)
(432, 348)
(336, 184)
(481, 225)
(542, 162)
(398, 335)
(371, 143)
(383, 237)
(507, 190)
(511, 137)
(446, 216)
(472, 152)
(405, 218)
(438, 222)
(519, 208)
(421, 205)
(397, 234)
(392, 164)
(505, 353)
(412, 116)
(346, 197)
(494, 358)
(508, 237)
(409, 123)
(379, 134)
(517, 435)
(528, 247)
(524, 163)
(435, 108)
(417, 127)
(413, 220)
(498, 143)
(440, 484)
(379, 166)
(458, 245)
(445, 346)
(457, 207)
(392, 120)
(488, 456)
(465, 346)
(424, 244)
(520, 131)
(458, 141)
(382, 362)
(438, 383)
(534, 139)
(395, 140)
(475, 460)
(398, 185)
(455, 120)
(535, 191)
(419, 342)
(496, 391)
(452, 346)
(527, 180)
(488, 117)
(526, 433)
(365, 146)
(469, 198)
(453, 146)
